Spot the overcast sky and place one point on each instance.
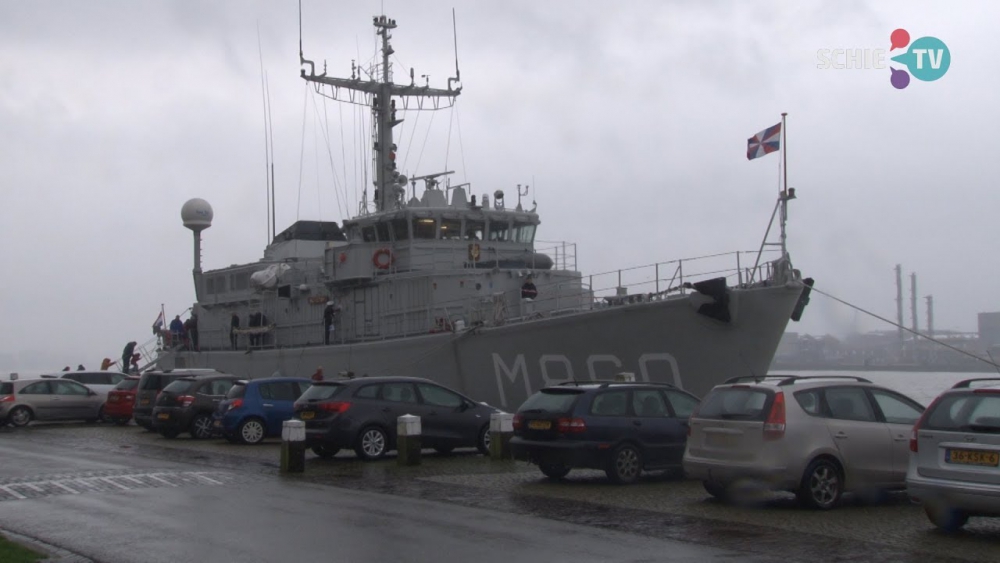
(631, 118)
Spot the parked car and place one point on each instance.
(121, 400)
(622, 428)
(255, 409)
(186, 404)
(150, 384)
(25, 400)
(100, 381)
(955, 465)
(361, 414)
(816, 437)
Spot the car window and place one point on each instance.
(399, 393)
(63, 387)
(149, 382)
(6, 388)
(303, 387)
(40, 388)
(321, 392)
(73, 376)
(849, 403)
(551, 401)
(368, 392)
(648, 402)
(127, 384)
(969, 412)
(734, 403)
(896, 409)
(611, 403)
(117, 378)
(217, 387)
(237, 391)
(438, 396)
(682, 403)
(180, 386)
(94, 379)
(279, 391)
(810, 401)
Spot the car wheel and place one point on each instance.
(251, 431)
(717, 490)
(822, 484)
(170, 434)
(483, 443)
(948, 519)
(444, 450)
(20, 416)
(554, 470)
(372, 443)
(325, 452)
(624, 465)
(201, 427)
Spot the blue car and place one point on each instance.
(254, 409)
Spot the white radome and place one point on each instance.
(197, 214)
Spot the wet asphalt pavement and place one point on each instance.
(122, 494)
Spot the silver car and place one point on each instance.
(817, 437)
(955, 466)
(48, 399)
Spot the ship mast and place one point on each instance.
(378, 92)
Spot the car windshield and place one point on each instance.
(150, 382)
(6, 388)
(966, 412)
(127, 384)
(179, 386)
(237, 391)
(321, 392)
(734, 403)
(551, 401)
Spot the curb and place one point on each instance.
(55, 554)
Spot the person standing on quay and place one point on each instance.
(234, 325)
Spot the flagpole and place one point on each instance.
(784, 189)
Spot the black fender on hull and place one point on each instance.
(715, 288)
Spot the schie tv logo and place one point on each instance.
(927, 59)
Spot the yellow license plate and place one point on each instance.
(973, 457)
(217, 423)
(307, 415)
(540, 424)
(144, 402)
(163, 416)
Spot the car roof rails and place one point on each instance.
(784, 380)
(754, 378)
(966, 383)
(606, 382)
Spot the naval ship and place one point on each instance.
(433, 284)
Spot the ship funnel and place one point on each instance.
(197, 215)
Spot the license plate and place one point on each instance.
(217, 423)
(144, 402)
(163, 416)
(973, 457)
(540, 424)
(717, 440)
(307, 415)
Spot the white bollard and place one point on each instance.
(408, 440)
(501, 430)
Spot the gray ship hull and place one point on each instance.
(664, 341)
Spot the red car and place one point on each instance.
(121, 399)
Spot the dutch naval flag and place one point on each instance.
(767, 141)
(158, 323)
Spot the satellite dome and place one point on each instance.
(197, 214)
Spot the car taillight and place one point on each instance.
(571, 425)
(185, 400)
(518, 421)
(774, 426)
(336, 406)
(237, 403)
(7, 399)
(914, 447)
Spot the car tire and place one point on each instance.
(483, 441)
(251, 431)
(625, 465)
(444, 450)
(822, 485)
(170, 434)
(717, 490)
(20, 416)
(947, 519)
(201, 427)
(372, 443)
(554, 470)
(325, 452)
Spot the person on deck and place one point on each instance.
(234, 325)
(528, 290)
(127, 355)
(177, 331)
(80, 368)
(328, 317)
(191, 329)
(318, 375)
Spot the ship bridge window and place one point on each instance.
(401, 229)
(524, 233)
(382, 229)
(451, 229)
(240, 282)
(499, 231)
(368, 234)
(424, 228)
(474, 230)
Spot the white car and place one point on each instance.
(100, 382)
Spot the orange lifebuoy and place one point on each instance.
(383, 258)
(474, 252)
(343, 257)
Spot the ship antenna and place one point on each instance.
(454, 30)
(267, 158)
(302, 58)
